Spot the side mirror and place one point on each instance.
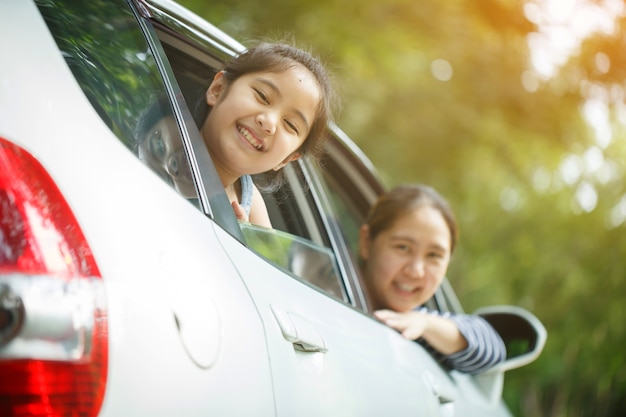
(524, 337)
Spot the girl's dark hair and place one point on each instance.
(403, 199)
(279, 57)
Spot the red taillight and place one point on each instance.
(53, 324)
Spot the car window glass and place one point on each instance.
(349, 217)
(350, 188)
(301, 257)
(110, 59)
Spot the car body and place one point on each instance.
(128, 287)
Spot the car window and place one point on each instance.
(351, 184)
(345, 186)
(298, 218)
(301, 257)
(349, 214)
(122, 82)
(298, 243)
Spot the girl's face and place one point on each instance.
(405, 264)
(259, 121)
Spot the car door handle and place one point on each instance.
(299, 331)
(445, 400)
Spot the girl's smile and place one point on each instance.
(255, 142)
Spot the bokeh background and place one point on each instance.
(515, 110)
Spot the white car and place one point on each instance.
(125, 293)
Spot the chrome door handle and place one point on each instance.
(445, 400)
(299, 331)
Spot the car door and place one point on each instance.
(328, 358)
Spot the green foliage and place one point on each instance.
(540, 197)
(125, 72)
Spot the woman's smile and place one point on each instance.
(405, 289)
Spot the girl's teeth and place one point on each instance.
(253, 141)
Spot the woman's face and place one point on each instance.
(405, 264)
(259, 120)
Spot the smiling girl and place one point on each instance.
(405, 248)
(269, 106)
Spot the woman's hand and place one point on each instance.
(440, 332)
(411, 324)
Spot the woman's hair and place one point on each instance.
(279, 57)
(403, 199)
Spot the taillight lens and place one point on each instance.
(53, 324)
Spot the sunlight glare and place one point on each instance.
(441, 69)
(618, 214)
(593, 160)
(541, 179)
(596, 112)
(563, 25)
(570, 169)
(509, 199)
(586, 196)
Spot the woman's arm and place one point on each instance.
(463, 342)
(485, 346)
(439, 332)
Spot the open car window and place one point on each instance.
(299, 243)
(315, 264)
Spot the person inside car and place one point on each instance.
(267, 107)
(405, 247)
(158, 144)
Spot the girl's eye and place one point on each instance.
(292, 127)
(261, 96)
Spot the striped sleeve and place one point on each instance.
(485, 347)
